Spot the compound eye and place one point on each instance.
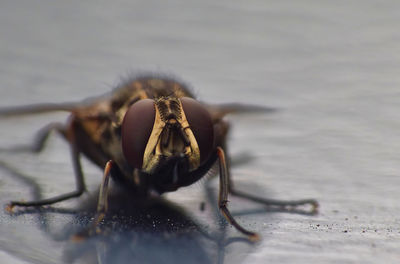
(201, 125)
(136, 130)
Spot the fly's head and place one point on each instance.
(167, 138)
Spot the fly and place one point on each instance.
(149, 135)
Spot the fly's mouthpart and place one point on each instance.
(175, 174)
(166, 176)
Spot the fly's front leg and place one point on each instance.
(80, 184)
(102, 205)
(223, 196)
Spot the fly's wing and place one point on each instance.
(218, 111)
(37, 109)
(42, 108)
(95, 111)
(221, 126)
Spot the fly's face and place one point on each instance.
(167, 137)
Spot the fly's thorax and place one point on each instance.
(171, 136)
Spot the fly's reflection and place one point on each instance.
(143, 231)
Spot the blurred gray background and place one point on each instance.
(331, 68)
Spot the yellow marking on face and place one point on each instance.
(154, 150)
(193, 149)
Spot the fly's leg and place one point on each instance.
(102, 205)
(223, 197)
(222, 129)
(278, 203)
(284, 204)
(80, 184)
(40, 138)
(43, 135)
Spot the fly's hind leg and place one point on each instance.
(288, 205)
(41, 138)
(283, 204)
(222, 129)
(80, 184)
(225, 187)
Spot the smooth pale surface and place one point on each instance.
(331, 69)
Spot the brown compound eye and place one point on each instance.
(136, 130)
(201, 125)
